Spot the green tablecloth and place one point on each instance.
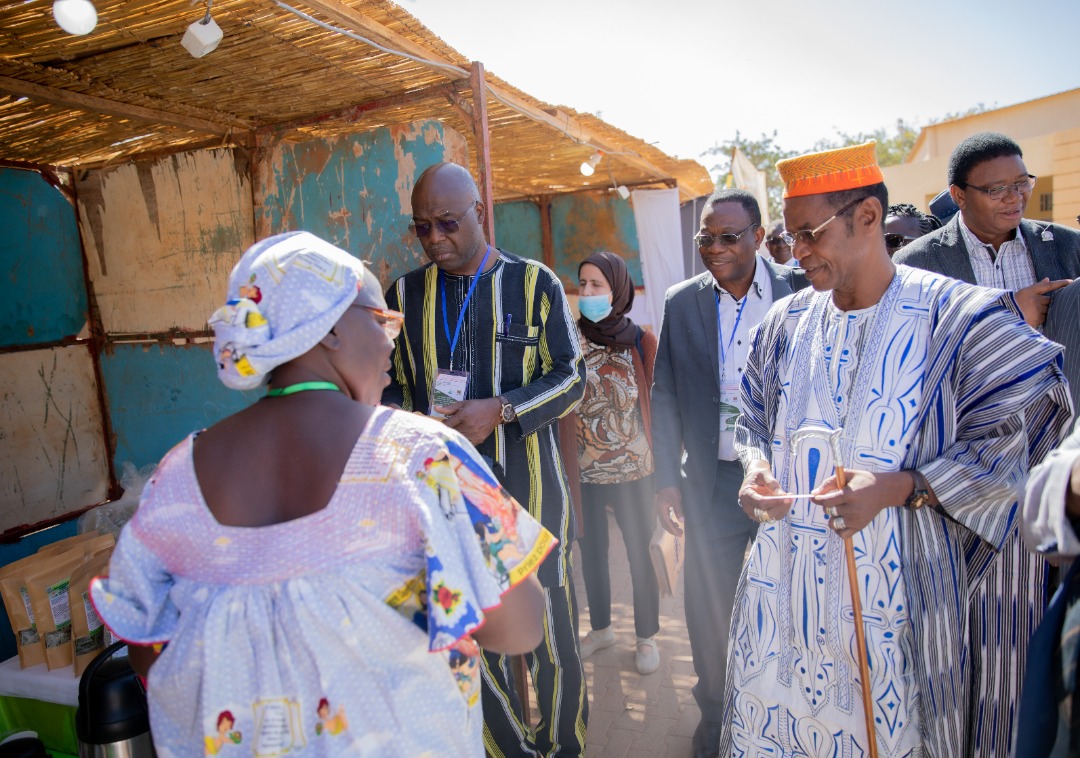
(54, 723)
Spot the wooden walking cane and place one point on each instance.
(833, 437)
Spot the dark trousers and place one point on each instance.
(717, 533)
(632, 503)
(559, 682)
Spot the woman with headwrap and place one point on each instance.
(614, 452)
(315, 547)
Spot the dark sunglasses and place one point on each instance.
(895, 241)
(446, 225)
(775, 241)
(727, 239)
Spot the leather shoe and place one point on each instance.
(706, 742)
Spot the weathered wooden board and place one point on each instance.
(355, 190)
(52, 449)
(42, 287)
(584, 223)
(162, 236)
(517, 229)
(160, 393)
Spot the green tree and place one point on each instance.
(763, 153)
(893, 147)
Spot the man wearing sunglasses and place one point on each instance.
(989, 242)
(932, 395)
(489, 345)
(703, 343)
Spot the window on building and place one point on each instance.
(1046, 202)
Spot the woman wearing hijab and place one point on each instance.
(614, 452)
(321, 567)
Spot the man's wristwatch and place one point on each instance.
(507, 413)
(919, 496)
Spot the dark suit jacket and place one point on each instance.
(944, 252)
(1063, 327)
(686, 384)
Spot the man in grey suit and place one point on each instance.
(1063, 327)
(704, 343)
(989, 243)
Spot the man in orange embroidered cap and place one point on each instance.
(864, 373)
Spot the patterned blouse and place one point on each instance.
(344, 632)
(612, 446)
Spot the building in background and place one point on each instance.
(1047, 130)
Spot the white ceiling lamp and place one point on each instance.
(202, 36)
(589, 166)
(75, 16)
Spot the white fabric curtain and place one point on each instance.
(659, 231)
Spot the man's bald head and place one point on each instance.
(448, 218)
(449, 176)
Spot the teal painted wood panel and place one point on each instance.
(355, 190)
(157, 394)
(42, 286)
(584, 223)
(517, 229)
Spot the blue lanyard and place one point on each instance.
(734, 329)
(461, 316)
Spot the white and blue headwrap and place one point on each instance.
(285, 295)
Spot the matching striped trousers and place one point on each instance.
(559, 682)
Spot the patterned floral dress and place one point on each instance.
(344, 632)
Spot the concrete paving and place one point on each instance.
(630, 715)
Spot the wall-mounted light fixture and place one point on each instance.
(589, 166)
(202, 36)
(75, 16)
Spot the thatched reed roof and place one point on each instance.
(129, 89)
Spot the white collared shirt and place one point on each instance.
(756, 303)
(1011, 269)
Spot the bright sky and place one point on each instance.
(687, 74)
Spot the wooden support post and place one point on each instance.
(483, 170)
(545, 231)
(483, 154)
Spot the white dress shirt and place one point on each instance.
(734, 349)
(1010, 269)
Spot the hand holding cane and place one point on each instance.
(833, 438)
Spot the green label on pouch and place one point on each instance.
(29, 610)
(93, 622)
(59, 605)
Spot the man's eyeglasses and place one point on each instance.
(810, 236)
(727, 239)
(391, 321)
(446, 225)
(895, 241)
(1002, 191)
(775, 241)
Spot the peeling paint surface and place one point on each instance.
(517, 229)
(160, 393)
(52, 454)
(355, 190)
(42, 295)
(584, 223)
(162, 236)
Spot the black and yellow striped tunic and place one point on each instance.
(518, 340)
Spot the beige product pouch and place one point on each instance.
(87, 630)
(21, 616)
(62, 546)
(96, 544)
(48, 587)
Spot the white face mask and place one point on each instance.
(595, 307)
